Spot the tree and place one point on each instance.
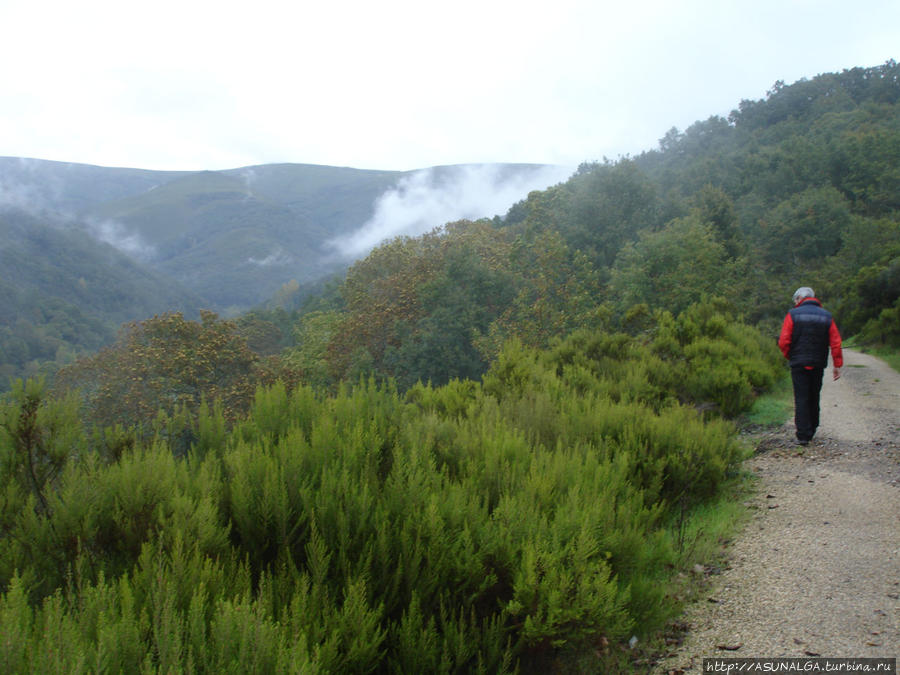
(381, 296)
(166, 363)
(558, 290)
(459, 304)
(37, 438)
(806, 227)
(714, 207)
(873, 290)
(868, 173)
(608, 206)
(312, 334)
(414, 305)
(672, 268)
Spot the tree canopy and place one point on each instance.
(800, 188)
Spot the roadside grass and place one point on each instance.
(772, 408)
(889, 356)
(703, 541)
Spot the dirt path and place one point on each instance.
(817, 570)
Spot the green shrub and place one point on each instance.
(463, 528)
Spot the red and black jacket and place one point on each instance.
(806, 335)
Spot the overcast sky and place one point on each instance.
(401, 84)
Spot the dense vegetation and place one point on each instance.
(448, 529)
(802, 188)
(479, 449)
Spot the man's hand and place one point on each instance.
(837, 373)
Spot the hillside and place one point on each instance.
(63, 292)
(211, 233)
(70, 189)
(801, 188)
(337, 199)
(509, 444)
(232, 238)
(222, 240)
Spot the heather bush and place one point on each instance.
(471, 527)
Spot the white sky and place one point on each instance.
(401, 84)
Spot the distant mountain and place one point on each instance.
(338, 199)
(231, 238)
(217, 237)
(85, 248)
(70, 189)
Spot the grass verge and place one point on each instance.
(889, 356)
(772, 408)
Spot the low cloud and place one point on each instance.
(26, 185)
(433, 197)
(22, 197)
(278, 257)
(28, 198)
(249, 177)
(117, 236)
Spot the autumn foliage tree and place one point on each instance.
(166, 363)
(557, 291)
(414, 305)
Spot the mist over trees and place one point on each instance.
(487, 448)
(107, 245)
(801, 188)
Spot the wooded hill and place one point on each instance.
(87, 248)
(492, 448)
(801, 188)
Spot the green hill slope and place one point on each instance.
(232, 237)
(70, 188)
(62, 292)
(72, 266)
(338, 199)
(211, 233)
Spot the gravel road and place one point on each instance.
(816, 572)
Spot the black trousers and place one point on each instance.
(807, 387)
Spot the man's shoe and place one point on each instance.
(801, 441)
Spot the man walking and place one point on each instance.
(806, 335)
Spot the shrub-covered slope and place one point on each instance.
(472, 527)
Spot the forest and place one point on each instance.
(484, 449)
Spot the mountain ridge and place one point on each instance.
(233, 236)
(150, 241)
